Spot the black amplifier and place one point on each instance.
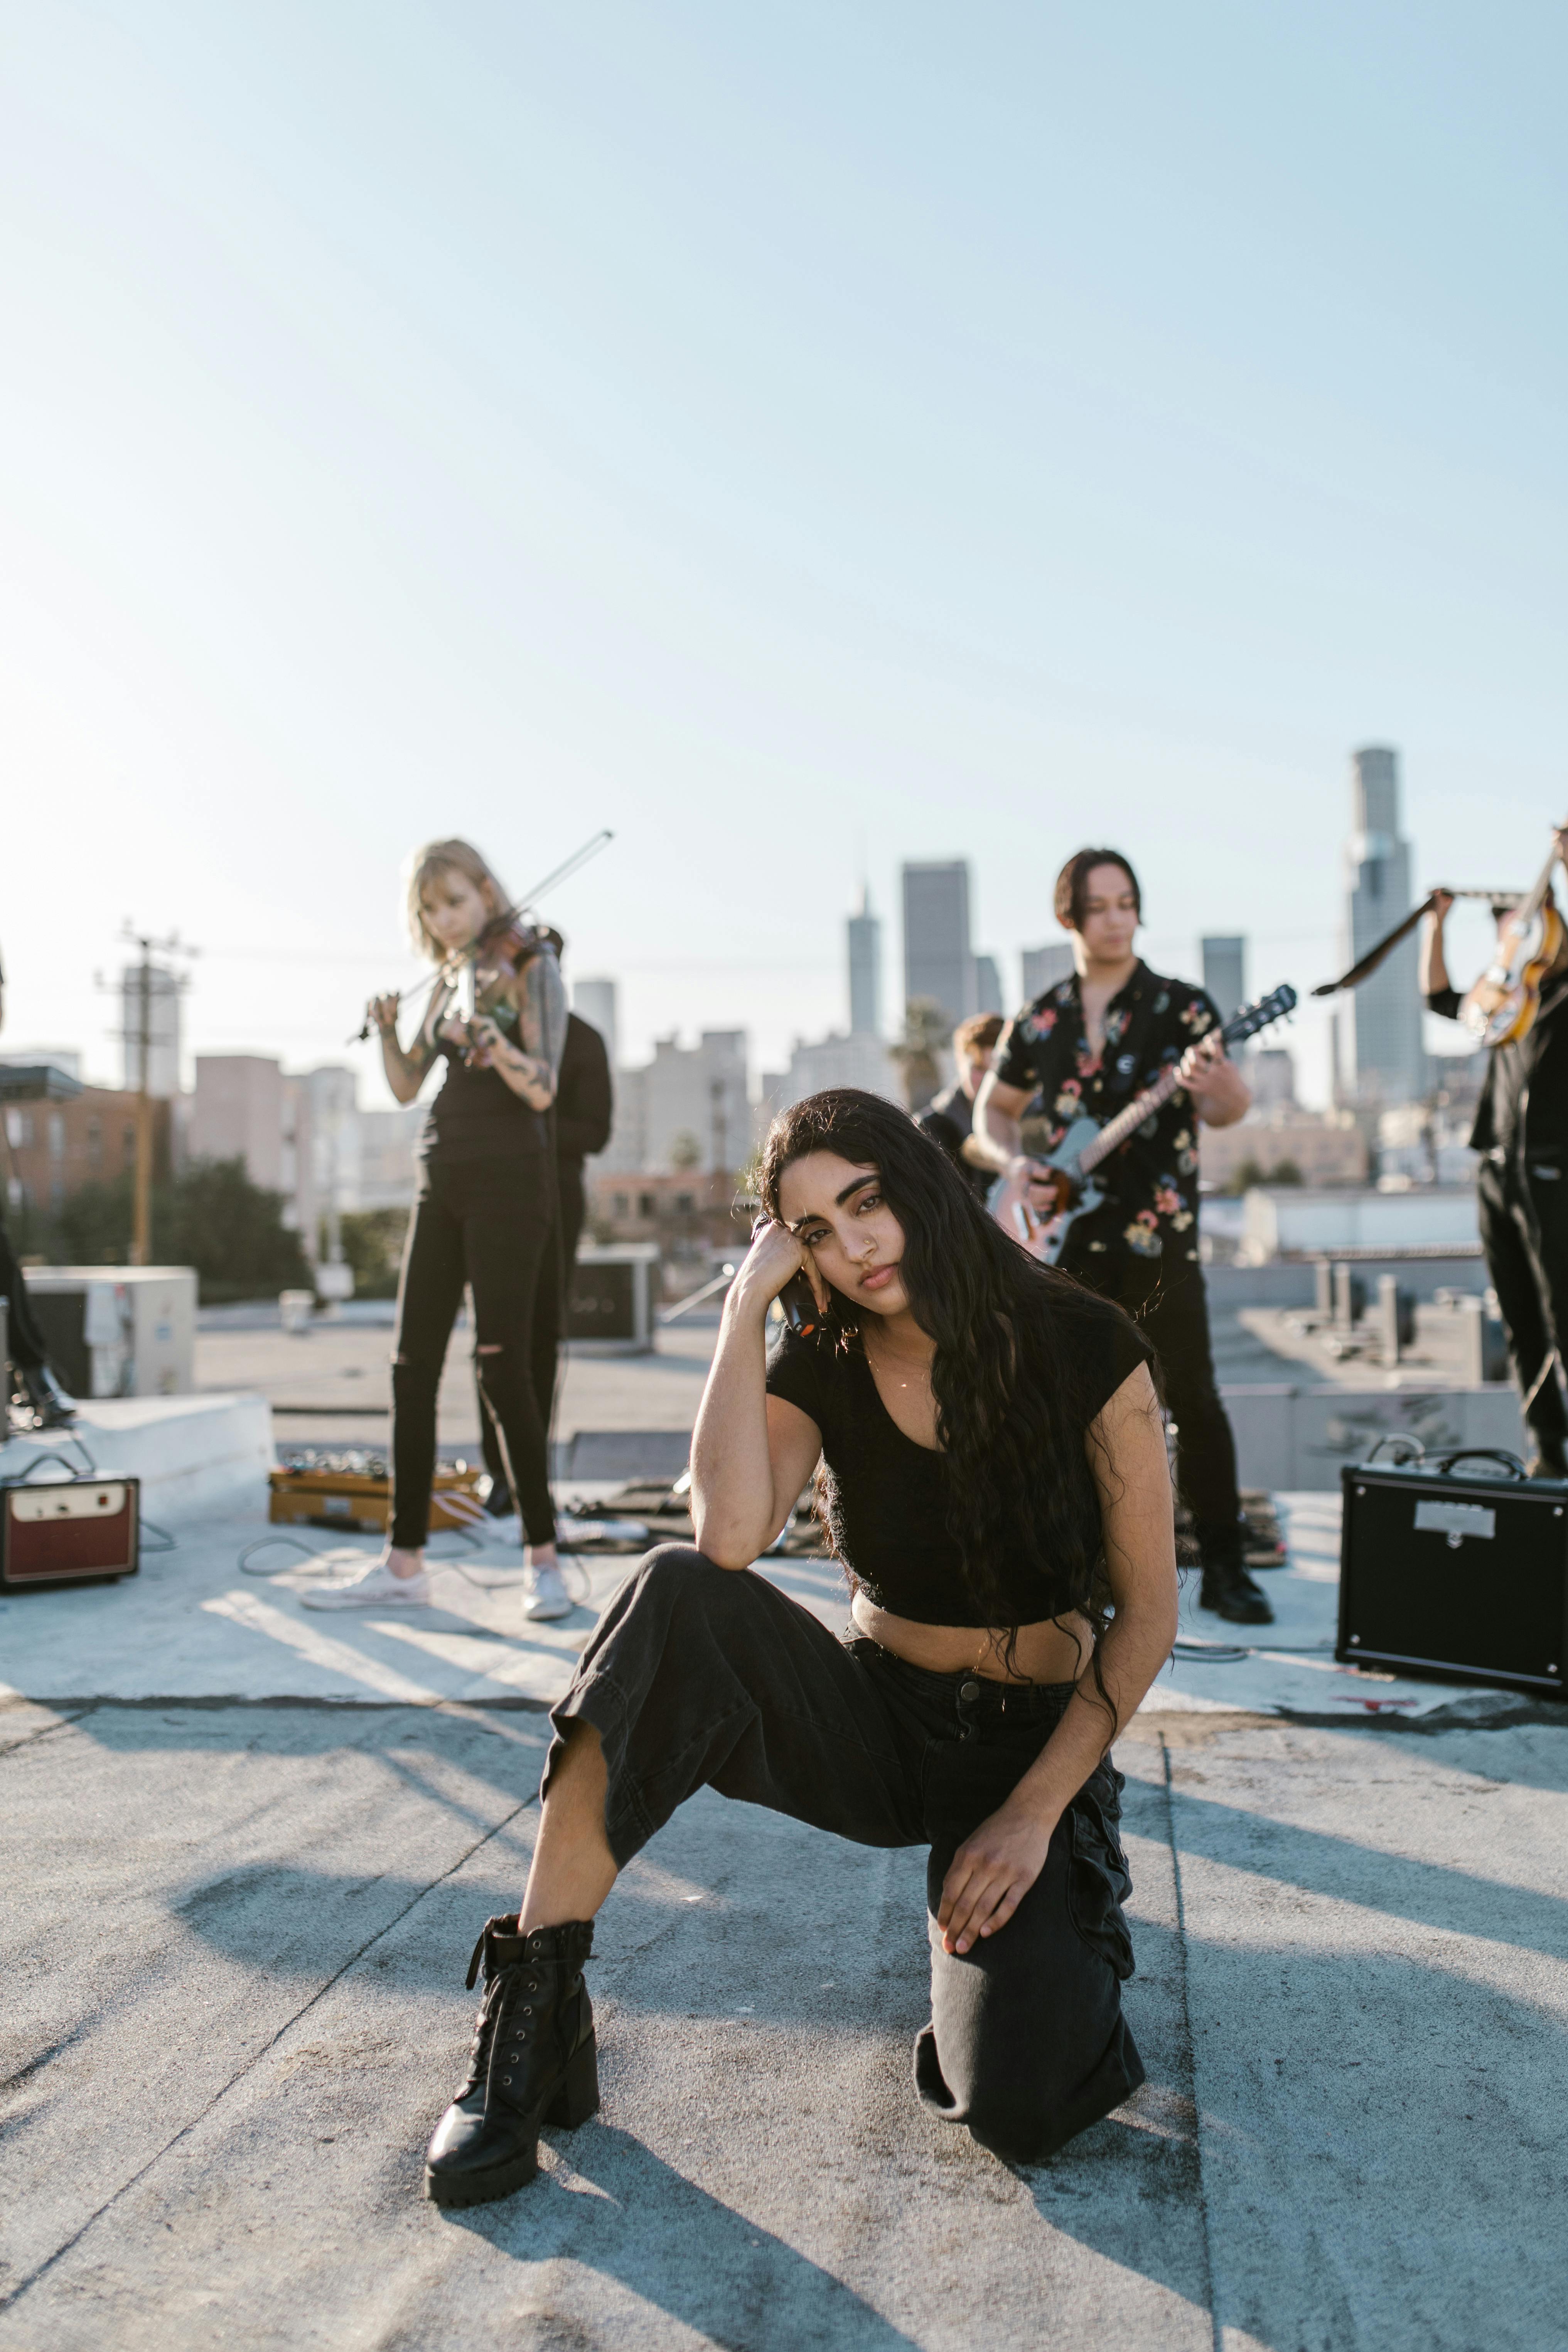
(1455, 1572)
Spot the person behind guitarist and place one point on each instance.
(949, 1118)
(1521, 1186)
(1085, 1047)
(585, 1107)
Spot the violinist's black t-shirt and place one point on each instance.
(887, 1497)
(476, 1116)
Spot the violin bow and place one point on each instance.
(1385, 946)
(450, 969)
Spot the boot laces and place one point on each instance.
(485, 2026)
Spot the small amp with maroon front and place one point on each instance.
(68, 1531)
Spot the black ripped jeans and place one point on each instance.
(1524, 1233)
(485, 1223)
(703, 1677)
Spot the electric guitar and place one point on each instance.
(1502, 1006)
(1069, 1168)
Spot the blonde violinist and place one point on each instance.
(484, 1210)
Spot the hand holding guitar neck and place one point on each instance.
(1501, 1007)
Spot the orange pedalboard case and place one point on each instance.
(324, 1497)
(68, 1531)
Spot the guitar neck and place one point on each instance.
(1531, 907)
(1127, 1122)
(1116, 1130)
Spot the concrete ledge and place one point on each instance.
(194, 1454)
(623, 1453)
(1298, 1438)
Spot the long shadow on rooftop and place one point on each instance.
(672, 2244)
(1428, 1894)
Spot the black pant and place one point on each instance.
(549, 1323)
(703, 1677)
(1168, 1302)
(1523, 1219)
(25, 1344)
(490, 1223)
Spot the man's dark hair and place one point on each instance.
(1072, 884)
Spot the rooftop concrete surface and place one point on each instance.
(249, 1848)
(234, 1949)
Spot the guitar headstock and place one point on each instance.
(1254, 1017)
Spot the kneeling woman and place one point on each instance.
(995, 1480)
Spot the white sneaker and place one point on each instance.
(498, 1531)
(546, 1594)
(374, 1587)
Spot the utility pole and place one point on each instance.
(139, 1038)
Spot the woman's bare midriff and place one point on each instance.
(1056, 1651)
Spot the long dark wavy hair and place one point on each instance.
(1011, 1376)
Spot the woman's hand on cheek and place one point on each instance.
(990, 1875)
(774, 1256)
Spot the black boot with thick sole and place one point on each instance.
(1229, 1592)
(534, 2062)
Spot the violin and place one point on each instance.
(511, 936)
(1501, 1007)
(479, 973)
(481, 976)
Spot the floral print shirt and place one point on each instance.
(1151, 1181)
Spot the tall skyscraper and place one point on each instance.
(1045, 966)
(938, 959)
(1225, 973)
(1390, 1061)
(864, 932)
(593, 1001)
(987, 985)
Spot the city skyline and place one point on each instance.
(1024, 970)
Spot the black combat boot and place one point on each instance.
(1227, 1588)
(534, 2062)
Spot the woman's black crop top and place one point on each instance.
(887, 1497)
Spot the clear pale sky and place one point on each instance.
(801, 438)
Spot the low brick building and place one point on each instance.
(53, 1148)
(687, 1214)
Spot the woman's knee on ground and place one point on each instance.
(1021, 2039)
(1021, 2103)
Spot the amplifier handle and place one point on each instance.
(24, 1477)
(40, 1461)
(1417, 1451)
(1511, 1462)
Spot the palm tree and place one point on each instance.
(918, 1052)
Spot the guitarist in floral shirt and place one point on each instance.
(1084, 1049)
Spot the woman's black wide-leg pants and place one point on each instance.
(703, 1677)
